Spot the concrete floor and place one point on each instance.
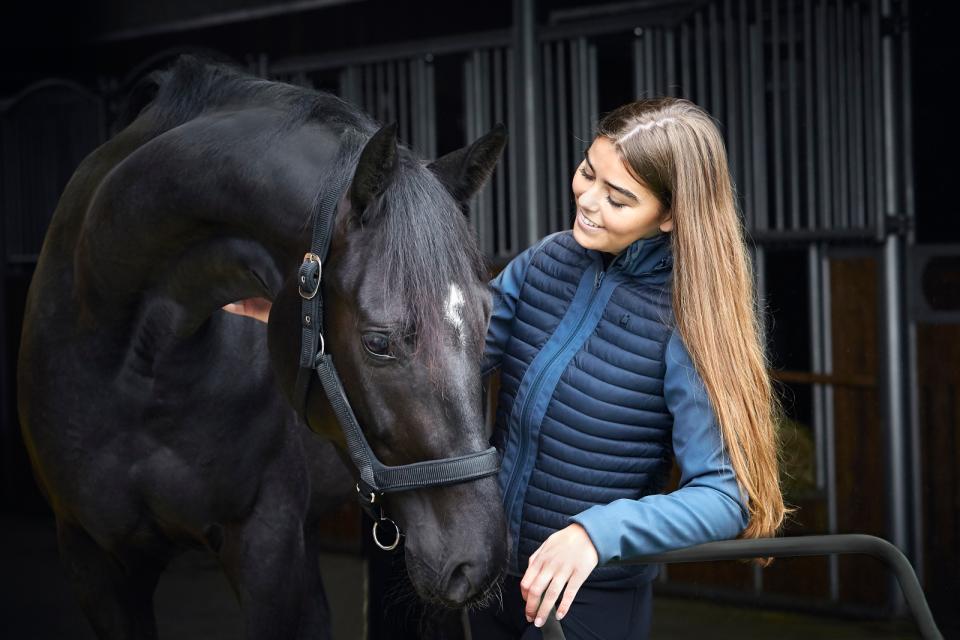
(194, 601)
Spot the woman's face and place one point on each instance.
(613, 209)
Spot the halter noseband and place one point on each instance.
(376, 478)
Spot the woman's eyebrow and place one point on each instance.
(620, 190)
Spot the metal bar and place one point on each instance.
(513, 159)
(218, 19)
(369, 103)
(746, 113)
(879, 147)
(701, 58)
(380, 89)
(731, 125)
(403, 101)
(857, 120)
(686, 73)
(638, 63)
(760, 262)
(456, 44)
(778, 170)
(716, 72)
(758, 107)
(564, 134)
(769, 236)
(649, 73)
(670, 44)
(583, 96)
(431, 110)
(656, 81)
(806, 546)
(479, 122)
(391, 93)
(499, 181)
(823, 120)
(792, 95)
(829, 421)
(814, 297)
(838, 68)
(526, 52)
(416, 105)
(809, 60)
(576, 102)
(916, 463)
(469, 130)
(894, 248)
(550, 135)
(486, 115)
(593, 92)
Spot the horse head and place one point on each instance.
(406, 307)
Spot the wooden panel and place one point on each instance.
(938, 355)
(859, 429)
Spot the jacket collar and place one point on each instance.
(644, 255)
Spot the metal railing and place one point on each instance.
(792, 547)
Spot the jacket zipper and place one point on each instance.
(535, 387)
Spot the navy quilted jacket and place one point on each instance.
(597, 395)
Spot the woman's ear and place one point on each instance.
(667, 224)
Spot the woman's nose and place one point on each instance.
(587, 200)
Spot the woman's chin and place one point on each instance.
(585, 240)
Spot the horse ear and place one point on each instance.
(464, 171)
(375, 170)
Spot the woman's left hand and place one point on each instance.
(565, 558)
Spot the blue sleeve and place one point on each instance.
(707, 506)
(505, 289)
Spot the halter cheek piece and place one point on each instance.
(376, 478)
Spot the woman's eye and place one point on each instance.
(584, 173)
(614, 203)
(377, 345)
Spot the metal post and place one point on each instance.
(894, 331)
(525, 47)
(916, 464)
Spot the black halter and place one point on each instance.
(376, 478)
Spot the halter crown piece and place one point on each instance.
(376, 478)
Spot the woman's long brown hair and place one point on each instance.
(674, 148)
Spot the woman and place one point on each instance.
(626, 341)
(623, 343)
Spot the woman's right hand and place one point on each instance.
(258, 308)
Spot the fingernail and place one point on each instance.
(529, 619)
(538, 622)
(560, 615)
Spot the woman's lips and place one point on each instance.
(586, 224)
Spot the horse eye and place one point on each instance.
(377, 345)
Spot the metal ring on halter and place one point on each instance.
(314, 287)
(396, 540)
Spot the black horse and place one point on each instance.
(156, 421)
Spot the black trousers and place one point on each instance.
(596, 614)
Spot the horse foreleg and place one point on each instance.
(115, 593)
(274, 573)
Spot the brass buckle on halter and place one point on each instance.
(309, 283)
(372, 499)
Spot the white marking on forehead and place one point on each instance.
(452, 308)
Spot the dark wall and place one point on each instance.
(936, 130)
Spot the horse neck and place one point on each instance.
(212, 211)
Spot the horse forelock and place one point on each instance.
(425, 250)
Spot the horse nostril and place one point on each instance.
(459, 587)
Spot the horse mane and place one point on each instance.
(423, 242)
